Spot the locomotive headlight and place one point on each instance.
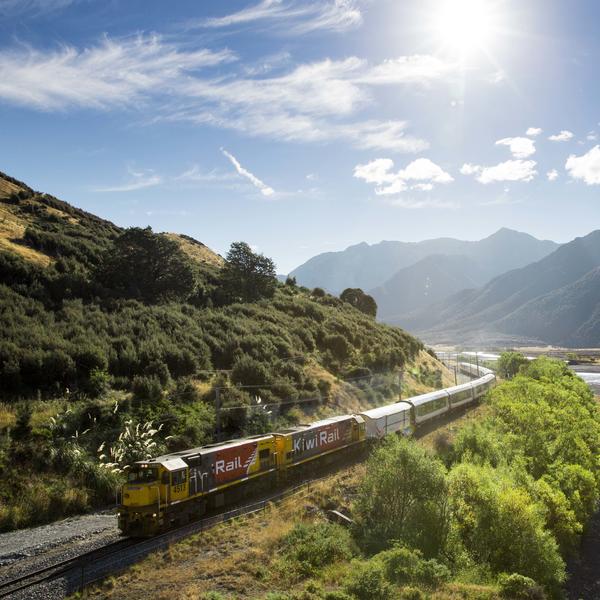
(154, 516)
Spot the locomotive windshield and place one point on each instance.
(142, 475)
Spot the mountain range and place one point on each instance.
(509, 288)
(404, 276)
(555, 300)
(369, 266)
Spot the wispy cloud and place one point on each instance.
(32, 7)
(510, 170)
(300, 16)
(197, 175)
(138, 181)
(552, 175)
(114, 73)
(585, 167)
(418, 203)
(312, 102)
(563, 136)
(520, 147)
(265, 190)
(419, 175)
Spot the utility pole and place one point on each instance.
(477, 361)
(400, 376)
(218, 413)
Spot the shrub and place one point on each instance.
(406, 566)
(403, 498)
(519, 587)
(312, 546)
(146, 389)
(367, 581)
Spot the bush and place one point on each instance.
(146, 389)
(403, 498)
(405, 566)
(312, 546)
(519, 587)
(367, 581)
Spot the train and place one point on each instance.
(177, 488)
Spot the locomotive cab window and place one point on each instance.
(264, 454)
(178, 477)
(145, 475)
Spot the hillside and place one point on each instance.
(107, 330)
(369, 266)
(553, 301)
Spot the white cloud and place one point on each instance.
(585, 167)
(563, 136)
(533, 131)
(521, 147)
(300, 17)
(510, 170)
(265, 190)
(552, 175)
(422, 170)
(592, 136)
(139, 180)
(311, 102)
(114, 73)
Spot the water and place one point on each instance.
(592, 378)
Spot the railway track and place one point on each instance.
(84, 569)
(89, 567)
(9, 587)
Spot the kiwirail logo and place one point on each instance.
(322, 438)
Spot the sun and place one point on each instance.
(464, 26)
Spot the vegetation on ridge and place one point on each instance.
(119, 328)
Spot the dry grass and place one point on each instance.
(237, 559)
(8, 416)
(8, 188)
(197, 250)
(12, 229)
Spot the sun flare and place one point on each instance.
(465, 25)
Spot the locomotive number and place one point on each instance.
(179, 488)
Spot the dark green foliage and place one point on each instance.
(367, 581)
(247, 276)
(509, 364)
(308, 547)
(519, 587)
(403, 498)
(407, 566)
(146, 266)
(361, 301)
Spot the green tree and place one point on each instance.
(248, 276)
(357, 298)
(509, 364)
(403, 498)
(147, 266)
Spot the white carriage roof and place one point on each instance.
(387, 410)
(424, 398)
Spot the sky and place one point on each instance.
(306, 126)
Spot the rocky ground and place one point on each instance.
(28, 550)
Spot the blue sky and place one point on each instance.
(303, 127)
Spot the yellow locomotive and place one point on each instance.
(177, 488)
